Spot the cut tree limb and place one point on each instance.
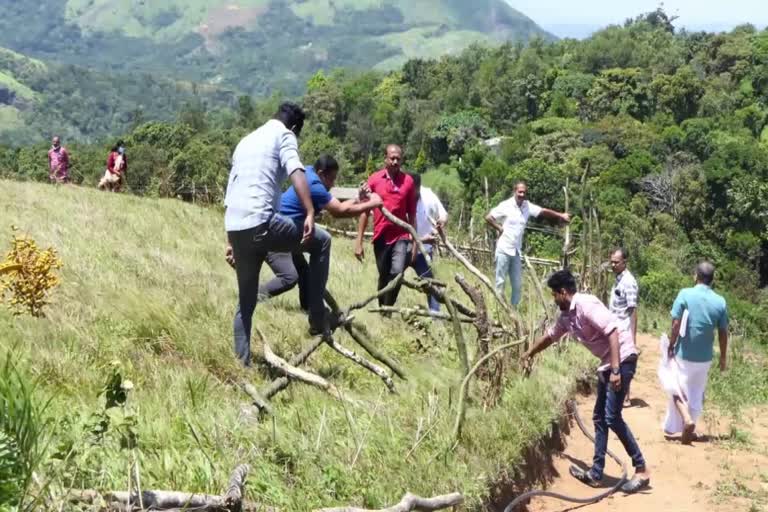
(394, 283)
(293, 372)
(465, 386)
(281, 383)
(484, 279)
(261, 402)
(233, 496)
(378, 371)
(409, 503)
(428, 287)
(363, 341)
(406, 312)
(410, 230)
(481, 322)
(458, 333)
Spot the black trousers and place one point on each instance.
(391, 260)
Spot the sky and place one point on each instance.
(693, 14)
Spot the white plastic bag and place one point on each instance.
(668, 370)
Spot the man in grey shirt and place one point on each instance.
(260, 164)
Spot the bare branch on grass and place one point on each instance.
(349, 354)
(408, 312)
(430, 287)
(394, 283)
(409, 503)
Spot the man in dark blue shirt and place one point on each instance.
(292, 268)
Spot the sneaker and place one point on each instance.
(635, 484)
(584, 477)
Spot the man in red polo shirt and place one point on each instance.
(392, 244)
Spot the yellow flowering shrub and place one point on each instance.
(27, 275)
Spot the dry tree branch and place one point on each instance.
(361, 339)
(537, 285)
(394, 283)
(409, 503)
(567, 238)
(465, 385)
(481, 322)
(281, 383)
(458, 333)
(484, 279)
(411, 230)
(362, 362)
(431, 287)
(406, 312)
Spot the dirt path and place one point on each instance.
(716, 475)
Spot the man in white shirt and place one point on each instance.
(260, 164)
(428, 208)
(509, 219)
(623, 300)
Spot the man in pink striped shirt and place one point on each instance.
(591, 323)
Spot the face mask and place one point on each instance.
(121, 150)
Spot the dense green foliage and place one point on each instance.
(663, 134)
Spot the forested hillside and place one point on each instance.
(257, 46)
(663, 134)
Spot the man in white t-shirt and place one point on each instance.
(509, 219)
(428, 208)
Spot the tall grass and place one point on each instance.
(22, 436)
(146, 292)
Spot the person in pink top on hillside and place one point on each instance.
(587, 319)
(58, 162)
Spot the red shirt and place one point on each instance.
(111, 161)
(398, 195)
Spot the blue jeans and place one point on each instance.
(422, 269)
(509, 266)
(607, 415)
(251, 247)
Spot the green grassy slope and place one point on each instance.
(145, 289)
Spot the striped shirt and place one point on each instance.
(262, 161)
(623, 298)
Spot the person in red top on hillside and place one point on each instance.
(392, 244)
(117, 165)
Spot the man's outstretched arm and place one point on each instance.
(556, 216)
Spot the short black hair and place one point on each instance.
(326, 163)
(291, 115)
(416, 179)
(705, 272)
(562, 280)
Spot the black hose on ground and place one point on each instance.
(593, 499)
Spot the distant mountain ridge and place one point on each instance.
(257, 46)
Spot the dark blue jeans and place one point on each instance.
(251, 247)
(423, 269)
(607, 415)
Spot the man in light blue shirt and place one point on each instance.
(260, 164)
(696, 314)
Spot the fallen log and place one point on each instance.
(409, 503)
(231, 501)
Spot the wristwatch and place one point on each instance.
(615, 371)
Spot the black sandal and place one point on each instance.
(635, 484)
(584, 477)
